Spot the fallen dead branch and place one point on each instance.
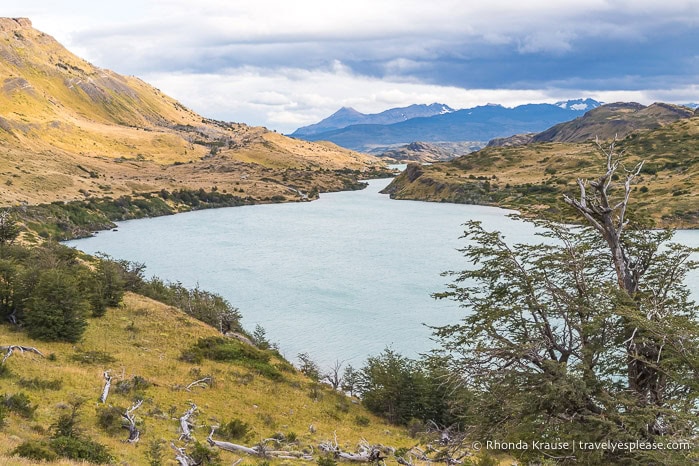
(134, 433)
(257, 450)
(365, 453)
(182, 457)
(204, 383)
(10, 349)
(185, 425)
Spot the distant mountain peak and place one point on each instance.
(347, 116)
(578, 104)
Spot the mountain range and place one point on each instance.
(531, 172)
(605, 122)
(481, 123)
(348, 116)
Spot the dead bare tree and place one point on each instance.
(334, 375)
(134, 433)
(608, 217)
(10, 349)
(107, 386)
(365, 453)
(644, 352)
(258, 450)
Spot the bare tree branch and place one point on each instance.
(10, 349)
(185, 425)
(134, 433)
(204, 383)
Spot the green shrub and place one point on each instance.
(155, 451)
(235, 429)
(109, 418)
(203, 455)
(362, 421)
(326, 461)
(56, 308)
(80, 448)
(136, 383)
(229, 350)
(35, 450)
(19, 403)
(41, 384)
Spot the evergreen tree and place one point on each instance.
(56, 309)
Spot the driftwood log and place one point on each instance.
(134, 433)
(10, 349)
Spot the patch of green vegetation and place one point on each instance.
(230, 350)
(93, 357)
(75, 219)
(36, 383)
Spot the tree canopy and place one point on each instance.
(588, 337)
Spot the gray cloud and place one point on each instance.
(450, 47)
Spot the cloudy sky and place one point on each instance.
(285, 64)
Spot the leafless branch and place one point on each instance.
(10, 349)
(185, 425)
(134, 433)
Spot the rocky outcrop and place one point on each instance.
(14, 24)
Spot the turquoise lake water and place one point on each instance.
(340, 278)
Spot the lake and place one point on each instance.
(340, 278)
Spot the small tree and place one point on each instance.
(589, 337)
(56, 309)
(334, 375)
(9, 230)
(350, 380)
(106, 284)
(309, 367)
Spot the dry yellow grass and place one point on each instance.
(534, 177)
(146, 338)
(59, 113)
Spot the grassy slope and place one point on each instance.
(70, 130)
(146, 338)
(534, 177)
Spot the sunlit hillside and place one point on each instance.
(533, 177)
(70, 130)
(142, 343)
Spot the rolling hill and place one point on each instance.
(70, 130)
(532, 177)
(605, 122)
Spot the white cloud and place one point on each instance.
(286, 64)
(286, 99)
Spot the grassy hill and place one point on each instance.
(533, 177)
(142, 342)
(70, 130)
